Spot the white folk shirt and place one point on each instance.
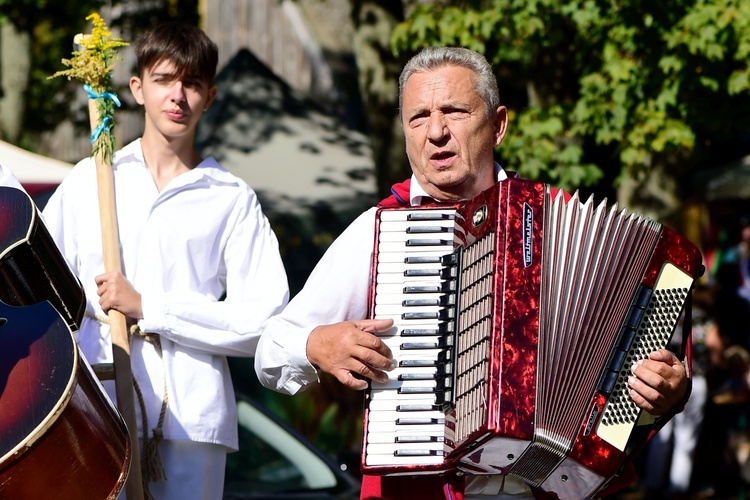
(183, 248)
(336, 290)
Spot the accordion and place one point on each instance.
(518, 316)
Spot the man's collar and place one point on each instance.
(417, 193)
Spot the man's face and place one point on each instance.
(450, 140)
(173, 105)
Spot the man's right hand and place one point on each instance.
(349, 351)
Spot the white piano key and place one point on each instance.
(395, 257)
(435, 429)
(401, 436)
(408, 323)
(389, 394)
(400, 298)
(398, 288)
(401, 246)
(400, 267)
(397, 309)
(391, 460)
(386, 405)
(404, 384)
(394, 342)
(402, 226)
(393, 415)
(390, 449)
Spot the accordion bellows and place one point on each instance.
(517, 318)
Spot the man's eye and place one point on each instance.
(455, 112)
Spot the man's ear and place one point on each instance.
(136, 88)
(501, 124)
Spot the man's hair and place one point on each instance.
(431, 58)
(187, 47)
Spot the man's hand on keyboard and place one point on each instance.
(350, 351)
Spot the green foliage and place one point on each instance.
(604, 84)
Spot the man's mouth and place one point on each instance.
(442, 156)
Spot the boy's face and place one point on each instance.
(173, 106)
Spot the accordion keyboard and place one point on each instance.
(417, 290)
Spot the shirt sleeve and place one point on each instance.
(8, 179)
(256, 289)
(60, 220)
(337, 290)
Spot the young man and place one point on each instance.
(452, 120)
(201, 265)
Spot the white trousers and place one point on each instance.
(195, 471)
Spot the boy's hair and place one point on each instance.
(186, 46)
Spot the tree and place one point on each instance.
(625, 92)
(378, 69)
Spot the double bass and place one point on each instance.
(60, 435)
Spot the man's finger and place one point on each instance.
(374, 325)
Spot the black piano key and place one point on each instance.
(442, 301)
(428, 215)
(417, 376)
(420, 332)
(413, 407)
(441, 315)
(417, 363)
(412, 346)
(441, 358)
(421, 315)
(417, 390)
(423, 259)
(419, 421)
(429, 243)
(448, 286)
(417, 453)
(420, 302)
(418, 439)
(441, 329)
(441, 343)
(422, 272)
(428, 229)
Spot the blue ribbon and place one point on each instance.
(103, 95)
(104, 125)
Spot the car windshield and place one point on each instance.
(271, 460)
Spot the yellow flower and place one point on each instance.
(92, 65)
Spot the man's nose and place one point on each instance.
(436, 128)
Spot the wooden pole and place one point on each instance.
(117, 321)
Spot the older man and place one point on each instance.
(452, 121)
